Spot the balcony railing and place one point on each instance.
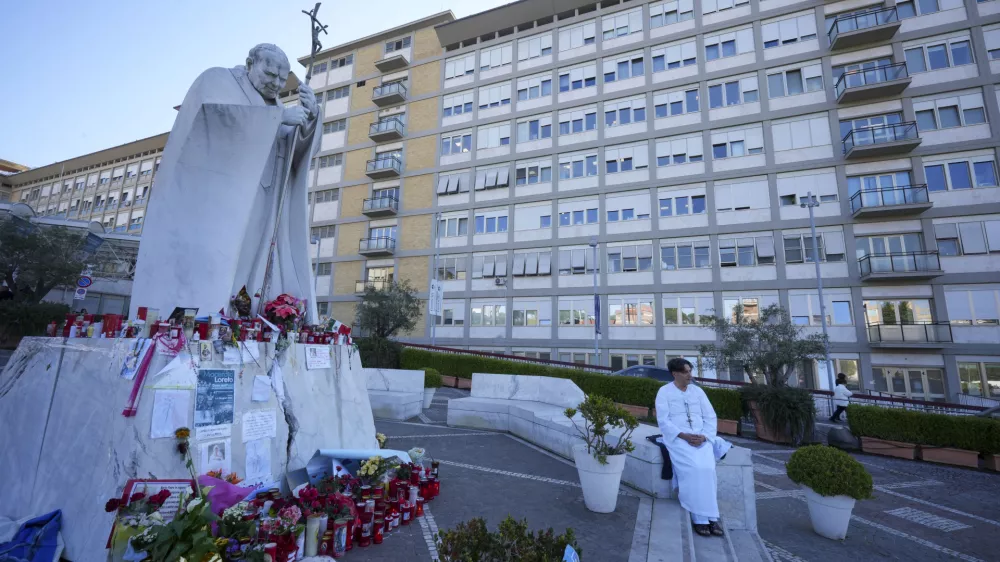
(870, 77)
(380, 205)
(902, 264)
(391, 127)
(120, 228)
(376, 284)
(850, 23)
(889, 197)
(881, 135)
(135, 226)
(379, 244)
(915, 333)
(393, 91)
(384, 167)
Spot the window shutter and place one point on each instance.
(662, 148)
(640, 156)
(507, 51)
(781, 134)
(645, 252)
(518, 265)
(546, 41)
(544, 263)
(970, 101)
(744, 40)
(504, 177)
(834, 242)
(609, 66)
(688, 50)
(765, 246)
(709, 6)
(819, 131)
(635, 21)
(442, 185)
(748, 84)
(754, 138)
(992, 39)
(727, 243)
(993, 235)
(608, 23)
(480, 180)
(812, 71)
(463, 184)
(801, 138)
(626, 251)
(807, 25)
(523, 47)
(685, 6)
(454, 182)
(943, 231)
(501, 267)
(973, 241)
(788, 29)
(488, 266)
(491, 179)
(531, 264)
(580, 258)
(694, 146)
(723, 198)
(589, 30)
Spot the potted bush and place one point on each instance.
(888, 432)
(599, 462)
(472, 541)
(832, 481)
(432, 382)
(768, 347)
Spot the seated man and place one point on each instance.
(688, 423)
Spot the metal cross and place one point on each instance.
(315, 28)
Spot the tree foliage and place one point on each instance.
(769, 347)
(384, 312)
(34, 260)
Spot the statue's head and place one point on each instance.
(267, 68)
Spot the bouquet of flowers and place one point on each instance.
(381, 438)
(234, 523)
(232, 477)
(285, 311)
(139, 510)
(373, 471)
(187, 535)
(417, 455)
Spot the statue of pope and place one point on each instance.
(234, 148)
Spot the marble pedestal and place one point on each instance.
(67, 446)
(395, 394)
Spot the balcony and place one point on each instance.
(851, 30)
(872, 83)
(388, 95)
(386, 129)
(898, 138)
(379, 246)
(120, 228)
(392, 63)
(890, 201)
(894, 266)
(134, 227)
(376, 284)
(384, 167)
(917, 335)
(380, 207)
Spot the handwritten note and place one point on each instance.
(170, 411)
(258, 461)
(261, 388)
(259, 424)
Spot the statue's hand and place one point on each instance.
(308, 100)
(295, 115)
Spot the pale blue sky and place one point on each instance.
(84, 75)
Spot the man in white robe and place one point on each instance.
(688, 423)
(213, 208)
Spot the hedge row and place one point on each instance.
(937, 430)
(633, 391)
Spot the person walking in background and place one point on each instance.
(841, 395)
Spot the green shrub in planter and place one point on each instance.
(472, 541)
(785, 410)
(600, 415)
(727, 403)
(971, 433)
(830, 472)
(379, 353)
(432, 378)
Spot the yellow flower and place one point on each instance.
(182, 433)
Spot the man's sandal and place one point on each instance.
(715, 528)
(702, 530)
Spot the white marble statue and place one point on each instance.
(212, 213)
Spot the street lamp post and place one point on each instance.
(597, 304)
(437, 235)
(810, 203)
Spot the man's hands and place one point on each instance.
(306, 110)
(308, 100)
(692, 439)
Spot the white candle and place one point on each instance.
(323, 523)
(312, 535)
(299, 545)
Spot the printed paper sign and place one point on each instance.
(259, 424)
(214, 402)
(317, 357)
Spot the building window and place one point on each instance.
(577, 261)
(676, 151)
(580, 358)
(584, 76)
(342, 62)
(968, 238)
(451, 268)
(322, 231)
(733, 92)
(397, 45)
(529, 173)
(897, 311)
(337, 93)
(456, 67)
(457, 104)
(746, 252)
(914, 8)
(577, 121)
(491, 224)
(949, 112)
(576, 312)
(331, 160)
(334, 126)
(535, 128)
(450, 316)
(788, 30)
(805, 310)
(621, 24)
(495, 57)
(324, 269)
(980, 379)
(626, 158)
(533, 88)
(680, 310)
(944, 54)
(320, 68)
(326, 195)
(630, 259)
(624, 67)
(493, 136)
(456, 143)
(630, 311)
(956, 174)
(729, 44)
(625, 215)
(680, 102)
(494, 96)
(625, 112)
(576, 36)
(493, 177)
(681, 206)
(577, 166)
(578, 217)
(796, 81)
(687, 255)
(668, 13)
(489, 315)
(452, 227)
(672, 57)
(799, 249)
(534, 47)
(737, 143)
(979, 307)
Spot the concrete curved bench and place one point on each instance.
(532, 408)
(395, 394)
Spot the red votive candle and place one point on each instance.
(420, 507)
(377, 531)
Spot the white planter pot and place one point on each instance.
(599, 481)
(830, 515)
(428, 396)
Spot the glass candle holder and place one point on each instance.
(420, 507)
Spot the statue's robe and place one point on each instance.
(213, 207)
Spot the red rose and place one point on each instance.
(182, 448)
(112, 505)
(136, 497)
(160, 497)
(339, 468)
